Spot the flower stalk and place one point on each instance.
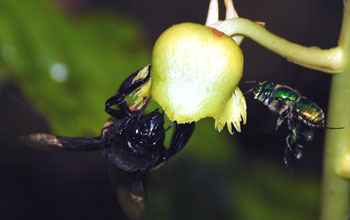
(326, 60)
(336, 182)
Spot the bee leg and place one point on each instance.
(126, 88)
(179, 139)
(293, 137)
(283, 115)
(292, 151)
(279, 122)
(292, 147)
(287, 157)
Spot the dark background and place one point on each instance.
(49, 185)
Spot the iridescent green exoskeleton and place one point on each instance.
(301, 113)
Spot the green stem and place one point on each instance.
(336, 189)
(326, 60)
(336, 186)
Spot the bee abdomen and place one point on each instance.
(309, 112)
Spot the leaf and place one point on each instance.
(68, 66)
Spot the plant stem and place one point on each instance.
(336, 189)
(326, 60)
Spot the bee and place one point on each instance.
(133, 142)
(301, 114)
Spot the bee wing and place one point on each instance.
(53, 142)
(130, 188)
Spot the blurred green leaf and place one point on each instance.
(265, 191)
(210, 146)
(192, 189)
(68, 65)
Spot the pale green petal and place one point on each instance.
(234, 113)
(145, 89)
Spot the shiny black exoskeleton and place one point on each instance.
(133, 141)
(300, 113)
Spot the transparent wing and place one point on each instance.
(53, 142)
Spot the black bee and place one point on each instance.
(133, 141)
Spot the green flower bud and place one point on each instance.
(195, 73)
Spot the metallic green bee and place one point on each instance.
(301, 114)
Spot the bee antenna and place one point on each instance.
(250, 82)
(249, 91)
(334, 127)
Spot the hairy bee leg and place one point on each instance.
(126, 88)
(292, 149)
(294, 135)
(53, 142)
(182, 134)
(286, 156)
(295, 151)
(279, 122)
(115, 113)
(283, 115)
(179, 139)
